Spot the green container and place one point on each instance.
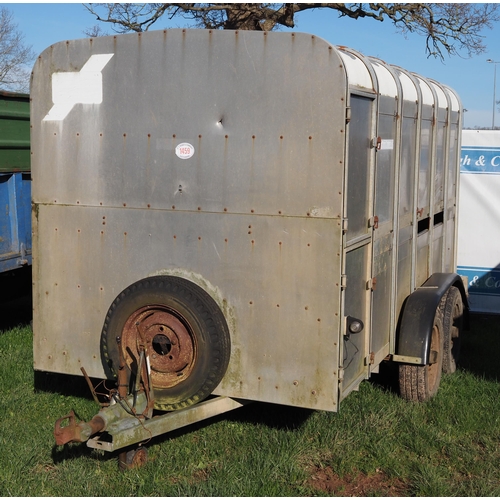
(14, 132)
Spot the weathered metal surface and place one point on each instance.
(407, 359)
(172, 345)
(129, 430)
(253, 216)
(257, 109)
(272, 284)
(250, 164)
(76, 433)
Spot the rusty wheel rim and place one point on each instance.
(433, 369)
(457, 313)
(169, 341)
(139, 459)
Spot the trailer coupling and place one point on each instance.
(136, 407)
(128, 419)
(121, 424)
(76, 433)
(121, 413)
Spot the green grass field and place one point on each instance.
(377, 445)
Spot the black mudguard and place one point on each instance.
(417, 317)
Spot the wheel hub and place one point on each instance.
(169, 342)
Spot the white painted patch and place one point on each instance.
(387, 144)
(321, 212)
(79, 87)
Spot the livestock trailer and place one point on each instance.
(239, 216)
(15, 181)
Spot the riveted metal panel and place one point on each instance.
(215, 156)
(220, 157)
(262, 111)
(272, 277)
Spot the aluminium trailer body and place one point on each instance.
(262, 216)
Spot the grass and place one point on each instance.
(377, 445)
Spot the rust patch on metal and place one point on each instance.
(76, 433)
(168, 340)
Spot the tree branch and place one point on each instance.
(447, 28)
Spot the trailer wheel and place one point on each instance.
(420, 383)
(133, 459)
(452, 308)
(185, 333)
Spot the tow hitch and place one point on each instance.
(76, 433)
(128, 419)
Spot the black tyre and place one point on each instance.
(185, 332)
(421, 383)
(452, 309)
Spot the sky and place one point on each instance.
(44, 24)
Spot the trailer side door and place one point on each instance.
(358, 244)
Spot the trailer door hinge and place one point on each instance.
(348, 114)
(373, 222)
(371, 284)
(377, 143)
(341, 374)
(370, 360)
(343, 281)
(345, 224)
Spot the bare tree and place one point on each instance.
(95, 31)
(448, 28)
(15, 56)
